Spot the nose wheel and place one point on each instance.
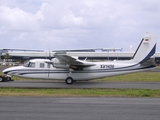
(69, 80)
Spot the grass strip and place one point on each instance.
(80, 92)
(135, 77)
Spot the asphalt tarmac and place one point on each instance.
(79, 108)
(87, 84)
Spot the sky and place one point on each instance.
(77, 24)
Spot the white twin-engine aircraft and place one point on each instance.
(70, 69)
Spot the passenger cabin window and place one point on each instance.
(41, 65)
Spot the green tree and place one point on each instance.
(7, 56)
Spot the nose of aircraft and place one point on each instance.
(9, 70)
(12, 70)
(5, 71)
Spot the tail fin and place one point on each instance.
(146, 48)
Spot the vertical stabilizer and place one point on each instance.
(146, 48)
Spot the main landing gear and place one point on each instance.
(69, 79)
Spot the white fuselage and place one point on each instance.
(100, 70)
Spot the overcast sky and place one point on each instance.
(75, 24)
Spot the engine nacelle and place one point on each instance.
(55, 60)
(58, 64)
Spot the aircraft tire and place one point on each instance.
(1, 79)
(8, 79)
(69, 80)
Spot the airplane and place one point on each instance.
(71, 69)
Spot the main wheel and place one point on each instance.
(1, 79)
(69, 80)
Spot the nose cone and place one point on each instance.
(13, 70)
(5, 71)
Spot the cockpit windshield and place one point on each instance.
(26, 64)
(29, 64)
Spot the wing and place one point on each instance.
(72, 61)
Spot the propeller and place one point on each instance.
(48, 63)
(50, 55)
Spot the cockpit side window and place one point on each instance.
(41, 65)
(31, 64)
(26, 64)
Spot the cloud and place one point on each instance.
(17, 19)
(77, 24)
